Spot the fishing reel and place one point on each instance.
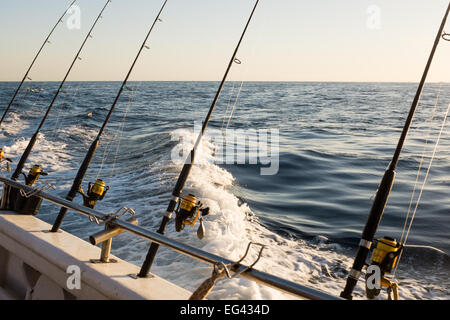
(95, 192)
(22, 202)
(187, 213)
(385, 257)
(33, 175)
(4, 159)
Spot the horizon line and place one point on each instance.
(266, 81)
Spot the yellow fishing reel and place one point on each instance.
(34, 174)
(188, 212)
(96, 192)
(385, 257)
(22, 202)
(4, 159)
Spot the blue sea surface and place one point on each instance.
(335, 141)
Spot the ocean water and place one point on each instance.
(335, 141)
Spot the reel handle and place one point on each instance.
(204, 211)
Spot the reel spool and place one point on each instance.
(33, 175)
(96, 192)
(385, 257)
(188, 212)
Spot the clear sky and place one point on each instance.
(288, 40)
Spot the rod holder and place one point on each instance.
(105, 238)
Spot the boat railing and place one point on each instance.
(237, 268)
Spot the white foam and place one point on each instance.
(229, 231)
(51, 155)
(79, 131)
(13, 125)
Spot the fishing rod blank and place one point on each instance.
(189, 162)
(387, 182)
(25, 77)
(90, 154)
(33, 140)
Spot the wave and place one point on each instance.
(318, 261)
(12, 125)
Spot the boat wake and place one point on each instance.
(231, 226)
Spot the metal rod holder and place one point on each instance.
(105, 238)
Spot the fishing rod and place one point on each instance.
(33, 140)
(25, 77)
(386, 185)
(90, 154)
(176, 194)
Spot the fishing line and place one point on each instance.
(22, 95)
(111, 137)
(105, 153)
(132, 95)
(228, 105)
(54, 131)
(64, 108)
(235, 104)
(118, 134)
(421, 162)
(36, 99)
(58, 115)
(238, 94)
(244, 75)
(425, 181)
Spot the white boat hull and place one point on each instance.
(38, 265)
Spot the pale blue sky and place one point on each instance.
(294, 40)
